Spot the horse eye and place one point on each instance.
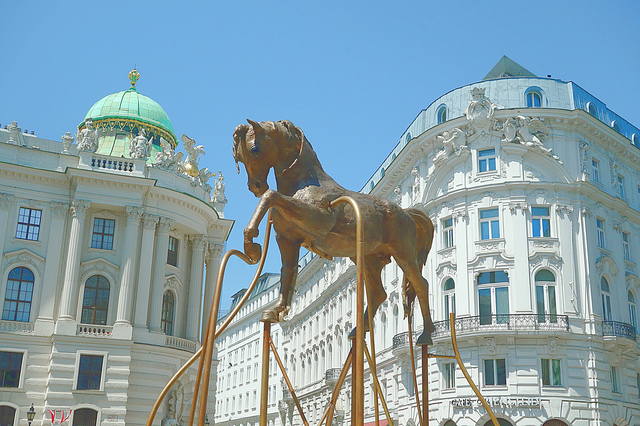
(254, 148)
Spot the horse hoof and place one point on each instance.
(253, 251)
(424, 339)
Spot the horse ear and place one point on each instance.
(257, 128)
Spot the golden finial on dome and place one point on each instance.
(134, 76)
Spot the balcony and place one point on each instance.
(618, 329)
(180, 343)
(331, 376)
(16, 326)
(400, 345)
(504, 322)
(94, 330)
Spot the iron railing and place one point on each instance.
(618, 329)
(497, 322)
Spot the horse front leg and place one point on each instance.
(289, 253)
(252, 249)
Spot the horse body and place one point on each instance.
(302, 216)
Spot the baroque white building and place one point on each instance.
(107, 248)
(533, 186)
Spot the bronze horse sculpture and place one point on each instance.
(302, 216)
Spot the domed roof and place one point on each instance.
(131, 106)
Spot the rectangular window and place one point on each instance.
(551, 374)
(625, 246)
(172, 252)
(486, 160)
(595, 169)
(540, 222)
(495, 372)
(447, 233)
(600, 233)
(10, 367)
(28, 224)
(90, 372)
(489, 224)
(615, 380)
(449, 375)
(620, 186)
(102, 236)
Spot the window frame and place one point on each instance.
(448, 298)
(448, 376)
(607, 312)
(626, 246)
(595, 170)
(490, 221)
(546, 285)
(601, 235)
(23, 366)
(492, 287)
(441, 114)
(76, 370)
(447, 233)
(614, 376)
(85, 407)
(17, 300)
(531, 93)
(488, 159)
(632, 308)
(550, 365)
(620, 188)
(163, 321)
(495, 372)
(28, 224)
(103, 234)
(176, 251)
(541, 219)
(81, 300)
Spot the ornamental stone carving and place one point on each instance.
(190, 165)
(140, 145)
(87, 138)
(168, 159)
(14, 134)
(218, 192)
(79, 207)
(527, 131)
(480, 110)
(134, 213)
(67, 140)
(453, 143)
(150, 221)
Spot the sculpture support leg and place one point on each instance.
(414, 377)
(264, 384)
(288, 382)
(425, 384)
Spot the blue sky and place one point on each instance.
(352, 74)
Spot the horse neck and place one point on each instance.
(306, 171)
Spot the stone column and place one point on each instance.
(194, 306)
(519, 280)
(465, 290)
(212, 261)
(68, 299)
(44, 322)
(6, 201)
(127, 278)
(143, 294)
(159, 264)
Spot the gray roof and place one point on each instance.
(506, 67)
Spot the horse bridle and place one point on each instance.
(299, 153)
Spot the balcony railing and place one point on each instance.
(180, 343)
(16, 326)
(497, 322)
(94, 330)
(618, 329)
(331, 375)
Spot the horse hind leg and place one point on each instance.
(420, 286)
(374, 288)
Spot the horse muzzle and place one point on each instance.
(258, 188)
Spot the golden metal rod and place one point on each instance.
(454, 343)
(264, 384)
(230, 317)
(425, 384)
(412, 355)
(196, 387)
(328, 412)
(377, 385)
(288, 382)
(357, 378)
(442, 356)
(373, 367)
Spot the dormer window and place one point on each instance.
(533, 97)
(591, 109)
(441, 114)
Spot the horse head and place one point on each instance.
(265, 145)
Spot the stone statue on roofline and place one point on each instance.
(168, 159)
(190, 165)
(87, 138)
(218, 191)
(139, 147)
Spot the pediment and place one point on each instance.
(25, 255)
(607, 265)
(98, 264)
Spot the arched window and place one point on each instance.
(396, 315)
(441, 114)
(502, 422)
(493, 297)
(635, 140)
(449, 423)
(591, 109)
(606, 299)
(18, 295)
(633, 320)
(554, 422)
(383, 331)
(546, 296)
(168, 312)
(533, 97)
(449, 291)
(85, 417)
(408, 137)
(7, 415)
(95, 302)
(615, 126)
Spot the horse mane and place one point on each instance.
(239, 134)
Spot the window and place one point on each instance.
(595, 170)
(168, 312)
(449, 375)
(7, 415)
(540, 222)
(620, 186)
(615, 380)
(172, 252)
(85, 417)
(447, 233)
(18, 296)
(551, 375)
(489, 224)
(501, 422)
(626, 246)
(495, 373)
(441, 114)
(546, 296)
(606, 299)
(591, 109)
(28, 224)
(533, 98)
(493, 297)
(633, 319)
(95, 302)
(449, 290)
(10, 367)
(102, 236)
(89, 372)
(602, 242)
(486, 160)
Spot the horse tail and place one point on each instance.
(424, 234)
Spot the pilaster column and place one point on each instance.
(52, 263)
(519, 281)
(212, 260)
(464, 293)
(143, 295)
(78, 212)
(6, 201)
(159, 263)
(195, 287)
(128, 270)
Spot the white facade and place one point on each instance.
(534, 207)
(113, 218)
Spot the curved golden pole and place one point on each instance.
(373, 367)
(456, 352)
(357, 384)
(225, 324)
(412, 355)
(285, 376)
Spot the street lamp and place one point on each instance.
(31, 414)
